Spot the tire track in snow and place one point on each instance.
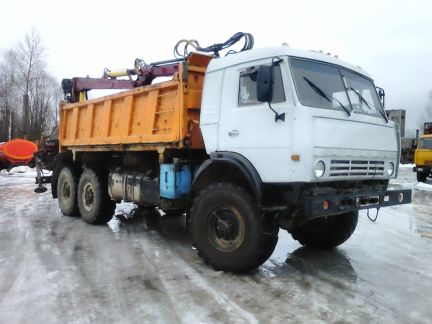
(177, 276)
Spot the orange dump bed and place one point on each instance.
(158, 116)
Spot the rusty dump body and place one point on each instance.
(153, 117)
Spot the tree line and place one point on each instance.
(29, 94)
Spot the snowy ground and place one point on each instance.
(143, 269)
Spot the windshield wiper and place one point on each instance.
(323, 94)
(361, 97)
(367, 104)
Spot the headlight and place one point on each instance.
(390, 169)
(319, 169)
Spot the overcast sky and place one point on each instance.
(392, 40)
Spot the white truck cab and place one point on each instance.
(298, 140)
(335, 127)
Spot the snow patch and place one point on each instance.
(124, 208)
(24, 171)
(423, 186)
(114, 224)
(21, 169)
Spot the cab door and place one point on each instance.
(248, 127)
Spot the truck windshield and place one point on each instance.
(425, 143)
(343, 87)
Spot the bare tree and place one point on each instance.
(30, 62)
(8, 96)
(28, 93)
(44, 96)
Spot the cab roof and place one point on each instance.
(270, 52)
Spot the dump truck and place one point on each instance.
(423, 154)
(242, 144)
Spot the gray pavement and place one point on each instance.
(57, 269)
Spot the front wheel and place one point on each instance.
(326, 232)
(421, 176)
(95, 205)
(228, 230)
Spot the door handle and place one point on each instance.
(234, 132)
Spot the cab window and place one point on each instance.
(425, 143)
(247, 88)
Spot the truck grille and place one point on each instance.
(356, 168)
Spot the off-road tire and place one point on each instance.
(421, 176)
(326, 233)
(67, 187)
(256, 237)
(94, 203)
(272, 230)
(59, 161)
(54, 181)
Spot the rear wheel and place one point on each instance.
(326, 232)
(67, 186)
(228, 230)
(95, 205)
(421, 176)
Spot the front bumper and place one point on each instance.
(325, 205)
(422, 169)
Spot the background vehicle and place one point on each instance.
(243, 144)
(423, 155)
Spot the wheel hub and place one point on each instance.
(66, 190)
(88, 196)
(226, 229)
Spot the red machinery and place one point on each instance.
(75, 89)
(17, 151)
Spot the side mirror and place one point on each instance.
(381, 95)
(264, 83)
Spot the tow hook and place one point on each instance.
(376, 216)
